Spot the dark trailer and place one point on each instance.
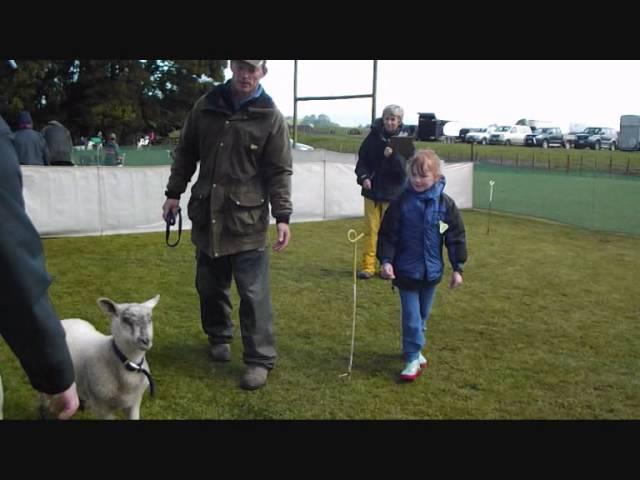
(429, 127)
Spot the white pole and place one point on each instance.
(491, 184)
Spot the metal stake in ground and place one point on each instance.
(491, 183)
(353, 237)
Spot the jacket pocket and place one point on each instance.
(247, 214)
(199, 210)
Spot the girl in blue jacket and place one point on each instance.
(413, 230)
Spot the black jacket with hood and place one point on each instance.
(387, 175)
(59, 143)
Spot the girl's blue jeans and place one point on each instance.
(416, 307)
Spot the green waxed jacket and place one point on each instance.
(245, 166)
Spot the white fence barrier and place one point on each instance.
(78, 201)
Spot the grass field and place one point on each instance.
(594, 201)
(544, 327)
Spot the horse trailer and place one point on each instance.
(629, 138)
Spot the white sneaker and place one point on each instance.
(411, 371)
(423, 361)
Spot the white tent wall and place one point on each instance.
(78, 201)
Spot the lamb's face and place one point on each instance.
(135, 322)
(131, 322)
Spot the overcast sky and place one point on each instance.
(474, 92)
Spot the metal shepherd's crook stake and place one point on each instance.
(491, 183)
(353, 237)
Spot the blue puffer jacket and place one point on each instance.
(410, 237)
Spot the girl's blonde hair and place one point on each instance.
(424, 161)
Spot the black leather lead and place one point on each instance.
(171, 220)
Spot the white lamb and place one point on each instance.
(111, 371)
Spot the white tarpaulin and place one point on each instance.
(76, 201)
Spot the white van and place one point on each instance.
(509, 135)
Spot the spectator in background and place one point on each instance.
(112, 155)
(30, 145)
(59, 143)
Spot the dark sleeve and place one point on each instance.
(362, 165)
(389, 232)
(185, 156)
(455, 237)
(35, 335)
(28, 322)
(278, 168)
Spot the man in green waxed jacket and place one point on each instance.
(241, 141)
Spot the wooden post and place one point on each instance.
(610, 162)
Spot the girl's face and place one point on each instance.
(422, 182)
(391, 123)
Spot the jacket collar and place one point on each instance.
(219, 99)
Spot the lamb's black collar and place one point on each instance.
(134, 367)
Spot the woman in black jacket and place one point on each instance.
(381, 172)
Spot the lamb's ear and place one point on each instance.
(152, 302)
(108, 306)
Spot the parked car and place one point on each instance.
(509, 135)
(545, 137)
(597, 138)
(479, 135)
(570, 140)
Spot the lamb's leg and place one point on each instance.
(102, 412)
(132, 413)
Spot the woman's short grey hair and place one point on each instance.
(395, 110)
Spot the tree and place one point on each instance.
(126, 97)
(321, 120)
